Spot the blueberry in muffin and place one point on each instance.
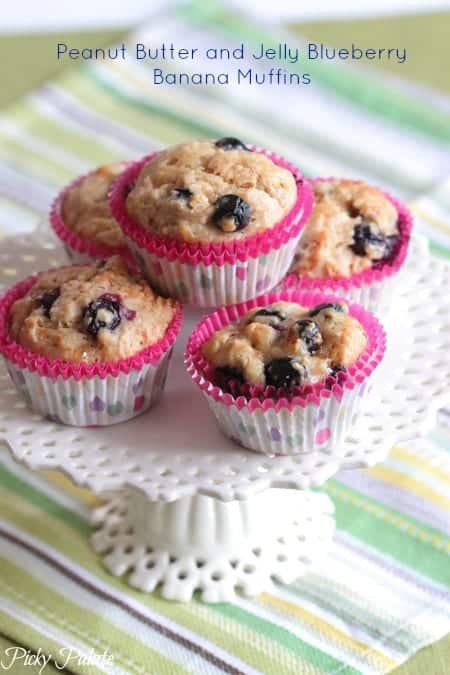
(231, 143)
(231, 213)
(285, 372)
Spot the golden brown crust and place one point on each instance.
(53, 318)
(258, 339)
(209, 173)
(327, 245)
(86, 211)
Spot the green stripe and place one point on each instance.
(71, 618)
(42, 501)
(194, 616)
(182, 121)
(391, 539)
(438, 249)
(164, 112)
(20, 633)
(265, 655)
(272, 631)
(348, 155)
(325, 147)
(84, 87)
(322, 146)
(368, 93)
(203, 625)
(16, 153)
(6, 643)
(89, 148)
(385, 630)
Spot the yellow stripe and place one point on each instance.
(331, 633)
(394, 477)
(435, 472)
(84, 496)
(425, 215)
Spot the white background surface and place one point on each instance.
(33, 15)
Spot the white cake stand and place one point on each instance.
(188, 509)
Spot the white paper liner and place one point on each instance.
(290, 432)
(376, 297)
(92, 401)
(214, 285)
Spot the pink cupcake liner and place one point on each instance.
(373, 287)
(81, 250)
(214, 274)
(83, 394)
(314, 417)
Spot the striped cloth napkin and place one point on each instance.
(384, 592)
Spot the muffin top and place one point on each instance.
(209, 191)
(352, 226)
(90, 313)
(85, 209)
(285, 344)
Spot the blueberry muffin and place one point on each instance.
(353, 227)
(85, 209)
(90, 314)
(286, 345)
(209, 191)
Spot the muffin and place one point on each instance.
(212, 222)
(88, 344)
(206, 192)
(82, 219)
(285, 344)
(354, 242)
(286, 373)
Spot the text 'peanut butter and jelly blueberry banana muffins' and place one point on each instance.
(355, 240)
(211, 192)
(286, 373)
(89, 344)
(212, 222)
(82, 218)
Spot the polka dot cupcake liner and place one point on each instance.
(214, 274)
(315, 417)
(82, 395)
(81, 250)
(372, 288)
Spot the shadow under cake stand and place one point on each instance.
(186, 508)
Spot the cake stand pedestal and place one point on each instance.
(202, 543)
(186, 508)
